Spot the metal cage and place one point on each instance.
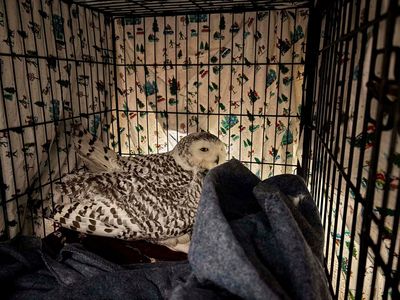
(348, 121)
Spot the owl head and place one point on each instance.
(200, 151)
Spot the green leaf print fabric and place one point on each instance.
(238, 76)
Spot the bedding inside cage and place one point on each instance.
(242, 224)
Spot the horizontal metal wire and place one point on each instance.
(19, 129)
(146, 8)
(36, 57)
(246, 162)
(174, 112)
(201, 64)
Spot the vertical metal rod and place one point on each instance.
(230, 89)
(111, 83)
(145, 92)
(109, 61)
(156, 81)
(290, 91)
(177, 79)
(84, 78)
(75, 57)
(114, 39)
(209, 74)
(92, 83)
(97, 83)
(310, 133)
(241, 92)
(85, 82)
(186, 22)
(254, 90)
(219, 75)
(139, 149)
(126, 106)
(265, 98)
(105, 129)
(278, 90)
(197, 73)
(166, 83)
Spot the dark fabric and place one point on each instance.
(26, 272)
(249, 241)
(151, 281)
(118, 251)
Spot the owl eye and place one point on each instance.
(204, 149)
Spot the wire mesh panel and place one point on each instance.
(354, 109)
(56, 68)
(238, 76)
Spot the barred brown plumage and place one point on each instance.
(151, 197)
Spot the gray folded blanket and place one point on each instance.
(251, 239)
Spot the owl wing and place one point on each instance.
(95, 208)
(137, 204)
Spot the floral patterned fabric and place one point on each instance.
(238, 76)
(52, 79)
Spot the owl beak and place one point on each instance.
(204, 172)
(217, 160)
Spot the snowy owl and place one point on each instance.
(149, 197)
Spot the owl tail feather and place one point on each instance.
(96, 156)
